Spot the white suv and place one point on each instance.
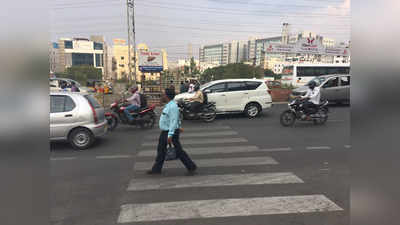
(250, 96)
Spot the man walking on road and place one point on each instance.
(170, 130)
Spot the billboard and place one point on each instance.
(307, 46)
(150, 61)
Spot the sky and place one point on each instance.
(172, 25)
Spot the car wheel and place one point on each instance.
(81, 138)
(252, 110)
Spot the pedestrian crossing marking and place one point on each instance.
(209, 150)
(197, 134)
(214, 162)
(225, 208)
(202, 141)
(213, 180)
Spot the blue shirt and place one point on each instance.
(169, 120)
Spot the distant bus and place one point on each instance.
(300, 74)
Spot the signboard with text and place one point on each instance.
(150, 61)
(307, 46)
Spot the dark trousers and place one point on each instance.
(195, 107)
(180, 153)
(309, 107)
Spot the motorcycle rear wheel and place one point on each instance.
(322, 120)
(211, 115)
(287, 118)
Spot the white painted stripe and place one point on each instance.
(347, 146)
(62, 158)
(213, 180)
(276, 149)
(113, 156)
(209, 150)
(203, 141)
(319, 148)
(204, 134)
(202, 128)
(220, 162)
(336, 121)
(225, 208)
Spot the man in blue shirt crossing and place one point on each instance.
(170, 126)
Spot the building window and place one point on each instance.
(82, 59)
(121, 65)
(122, 58)
(68, 45)
(99, 60)
(97, 46)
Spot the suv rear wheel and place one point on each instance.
(81, 138)
(252, 110)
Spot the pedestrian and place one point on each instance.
(74, 88)
(186, 85)
(171, 85)
(170, 126)
(183, 87)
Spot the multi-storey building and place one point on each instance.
(79, 51)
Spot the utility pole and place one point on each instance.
(130, 11)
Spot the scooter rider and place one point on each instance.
(134, 100)
(313, 97)
(197, 100)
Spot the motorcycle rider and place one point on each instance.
(197, 100)
(134, 100)
(313, 97)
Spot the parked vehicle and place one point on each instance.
(207, 111)
(56, 84)
(296, 112)
(249, 96)
(77, 118)
(144, 117)
(334, 88)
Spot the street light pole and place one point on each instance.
(129, 41)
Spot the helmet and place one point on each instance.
(312, 84)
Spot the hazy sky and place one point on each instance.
(174, 24)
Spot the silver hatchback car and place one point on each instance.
(334, 88)
(77, 118)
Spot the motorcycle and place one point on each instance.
(207, 111)
(144, 117)
(319, 114)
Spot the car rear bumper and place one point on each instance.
(267, 105)
(100, 129)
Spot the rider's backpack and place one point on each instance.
(143, 100)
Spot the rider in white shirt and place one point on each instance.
(313, 97)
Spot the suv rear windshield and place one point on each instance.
(93, 101)
(252, 85)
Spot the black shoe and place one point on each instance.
(151, 172)
(191, 172)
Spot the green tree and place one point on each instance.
(193, 67)
(82, 73)
(232, 71)
(186, 70)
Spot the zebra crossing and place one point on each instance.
(213, 149)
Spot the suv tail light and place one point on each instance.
(96, 120)
(269, 91)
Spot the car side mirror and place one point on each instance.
(207, 91)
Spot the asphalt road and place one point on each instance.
(251, 171)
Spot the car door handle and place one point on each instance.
(68, 115)
(223, 95)
(246, 93)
